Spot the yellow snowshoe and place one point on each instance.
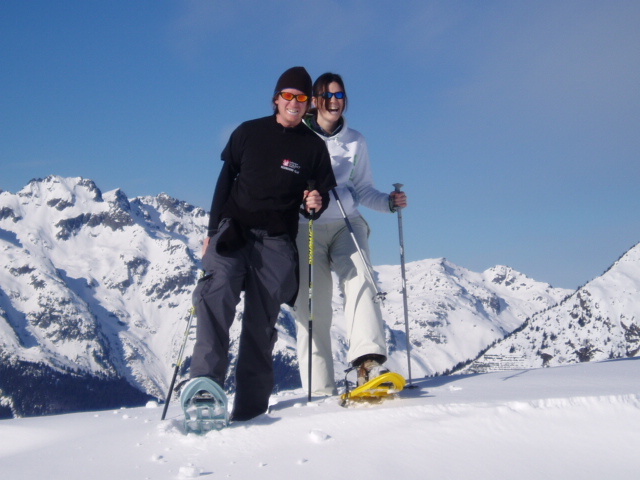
(378, 388)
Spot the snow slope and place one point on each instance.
(572, 422)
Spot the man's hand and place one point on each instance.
(313, 200)
(205, 245)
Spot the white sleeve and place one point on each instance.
(362, 179)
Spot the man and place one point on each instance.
(268, 164)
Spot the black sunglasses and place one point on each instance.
(328, 95)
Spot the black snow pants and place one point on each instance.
(265, 268)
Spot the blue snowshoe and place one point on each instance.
(205, 406)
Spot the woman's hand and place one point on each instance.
(398, 199)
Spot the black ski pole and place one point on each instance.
(178, 362)
(311, 261)
(380, 296)
(398, 187)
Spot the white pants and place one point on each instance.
(334, 250)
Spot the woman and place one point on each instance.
(334, 250)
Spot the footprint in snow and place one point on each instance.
(318, 436)
(189, 471)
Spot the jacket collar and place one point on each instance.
(312, 122)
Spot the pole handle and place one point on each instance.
(398, 188)
(311, 185)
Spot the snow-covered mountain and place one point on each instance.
(95, 292)
(454, 313)
(92, 288)
(600, 321)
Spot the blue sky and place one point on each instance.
(514, 125)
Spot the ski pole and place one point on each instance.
(380, 296)
(311, 187)
(398, 187)
(178, 363)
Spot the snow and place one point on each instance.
(572, 422)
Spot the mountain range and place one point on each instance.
(599, 321)
(95, 293)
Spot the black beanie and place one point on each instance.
(295, 77)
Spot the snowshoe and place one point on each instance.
(204, 404)
(379, 388)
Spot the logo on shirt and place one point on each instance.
(290, 166)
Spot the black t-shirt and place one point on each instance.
(266, 169)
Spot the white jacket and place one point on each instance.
(352, 169)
